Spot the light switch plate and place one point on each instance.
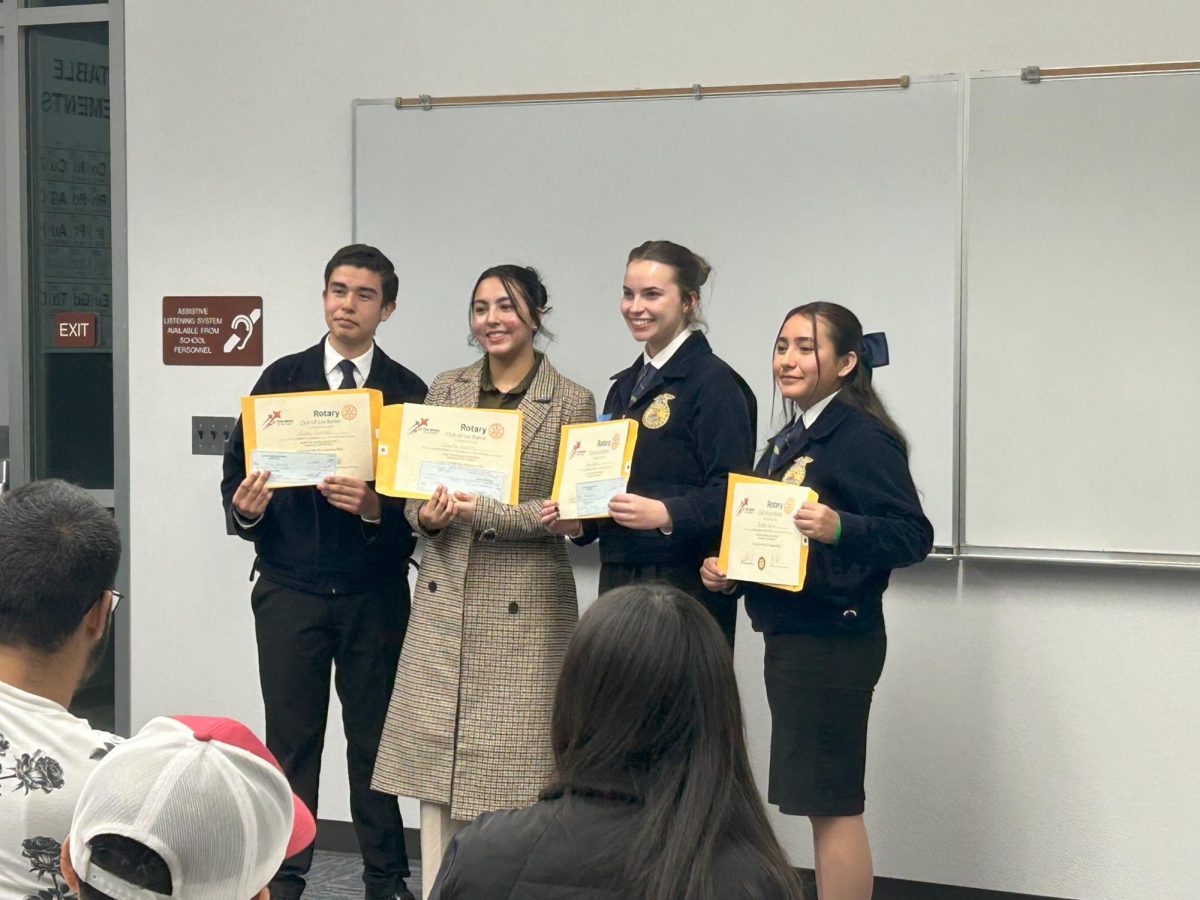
(209, 434)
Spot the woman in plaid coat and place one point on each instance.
(468, 729)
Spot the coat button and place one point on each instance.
(488, 534)
(850, 615)
(433, 587)
(513, 608)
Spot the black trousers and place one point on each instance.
(722, 607)
(300, 636)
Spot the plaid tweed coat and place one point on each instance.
(469, 721)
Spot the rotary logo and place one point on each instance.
(349, 411)
(496, 431)
(658, 413)
(788, 505)
(796, 472)
(762, 563)
(615, 442)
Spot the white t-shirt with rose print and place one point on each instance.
(45, 755)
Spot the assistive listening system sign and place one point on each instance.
(212, 331)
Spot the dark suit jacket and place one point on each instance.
(302, 541)
(860, 469)
(697, 423)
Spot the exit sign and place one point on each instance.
(75, 329)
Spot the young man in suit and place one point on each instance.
(332, 586)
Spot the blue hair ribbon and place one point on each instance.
(874, 350)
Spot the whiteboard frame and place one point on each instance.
(959, 551)
(969, 552)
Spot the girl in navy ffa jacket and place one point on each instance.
(825, 645)
(696, 424)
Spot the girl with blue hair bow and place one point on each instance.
(825, 646)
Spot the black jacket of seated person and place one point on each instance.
(565, 847)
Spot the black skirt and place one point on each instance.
(819, 688)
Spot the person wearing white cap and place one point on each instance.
(191, 808)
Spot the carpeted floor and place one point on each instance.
(338, 876)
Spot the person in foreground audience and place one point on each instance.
(59, 551)
(191, 807)
(653, 795)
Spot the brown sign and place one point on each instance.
(212, 331)
(75, 329)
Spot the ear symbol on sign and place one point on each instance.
(234, 342)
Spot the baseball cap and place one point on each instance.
(203, 793)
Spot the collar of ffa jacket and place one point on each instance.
(681, 362)
(309, 371)
(830, 418)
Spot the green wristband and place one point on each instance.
(837, 532)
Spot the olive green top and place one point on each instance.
(491, 397)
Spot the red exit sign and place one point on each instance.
(75, 329)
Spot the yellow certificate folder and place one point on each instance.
(473, 450)
(759, 541)
(594, 459)
(301, 437)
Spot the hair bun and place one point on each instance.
(540, 298)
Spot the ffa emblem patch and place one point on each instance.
(658, 413)
(796, 472)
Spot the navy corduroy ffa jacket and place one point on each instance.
(302, 541)
(696, 425)
(860, 469)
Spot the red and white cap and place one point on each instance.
(203, 793)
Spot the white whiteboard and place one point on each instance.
(852, 197)
(1082, 306)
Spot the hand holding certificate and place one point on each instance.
(593, 466)
(473, 450)
(760, 542)
(295, 436)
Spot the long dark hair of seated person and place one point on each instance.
(647, 708)
(129, 860)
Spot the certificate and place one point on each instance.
(473, 450)
(337, 423)
(292, 468)
(593, 466)
(760, 542)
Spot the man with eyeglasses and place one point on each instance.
(59, 551)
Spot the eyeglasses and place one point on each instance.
(117, 597)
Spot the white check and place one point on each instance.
(294, 468)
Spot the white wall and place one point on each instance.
(1035, 729)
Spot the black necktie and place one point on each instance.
(643, 381)
(347, 368)
(785, 442)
